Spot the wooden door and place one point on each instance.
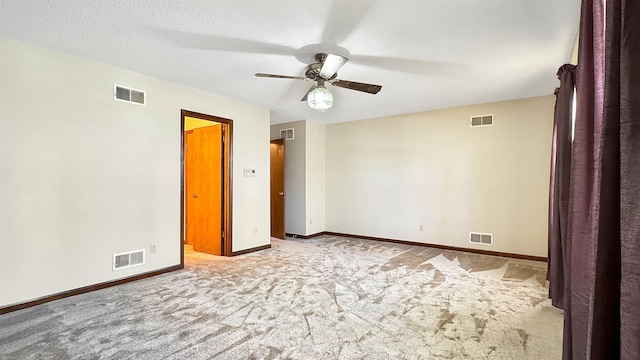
(277, 189)
(203, 189)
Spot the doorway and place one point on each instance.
(206, 144)
(278, 193)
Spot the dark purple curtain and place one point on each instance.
(559, 189)
(602, 281)
(625, 26)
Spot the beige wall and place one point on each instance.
(315, 177)
(574, 52)
(83, 177)
(305, 171)
(387, 176)
(295, 168)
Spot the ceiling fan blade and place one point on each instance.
(218, 43)
(368, 88)
(280, 76)
(332, 63)
(418, 67)
(345, 17)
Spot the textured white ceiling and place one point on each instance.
(428, 54)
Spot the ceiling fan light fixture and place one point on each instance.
(319, 98)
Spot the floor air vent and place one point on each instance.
(481, 238)
(129, 95)
(128, 259)
(482, 120)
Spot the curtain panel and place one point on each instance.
(559, 183)
(602, 248)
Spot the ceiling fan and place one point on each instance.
(325, 71)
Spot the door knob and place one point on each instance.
(194, 196)
(281, 193)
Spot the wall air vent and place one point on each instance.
(482, 120)
(286, 134)
(128, 259)
(121, 93)
(481, 238)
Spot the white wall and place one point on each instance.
(315, 177)
(295, 168)
(387, 176)
(83, 176)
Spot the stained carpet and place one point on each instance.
(322, 298)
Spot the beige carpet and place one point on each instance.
(323, 298)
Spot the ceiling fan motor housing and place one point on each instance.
(312, 71)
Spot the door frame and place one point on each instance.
(227, 177)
